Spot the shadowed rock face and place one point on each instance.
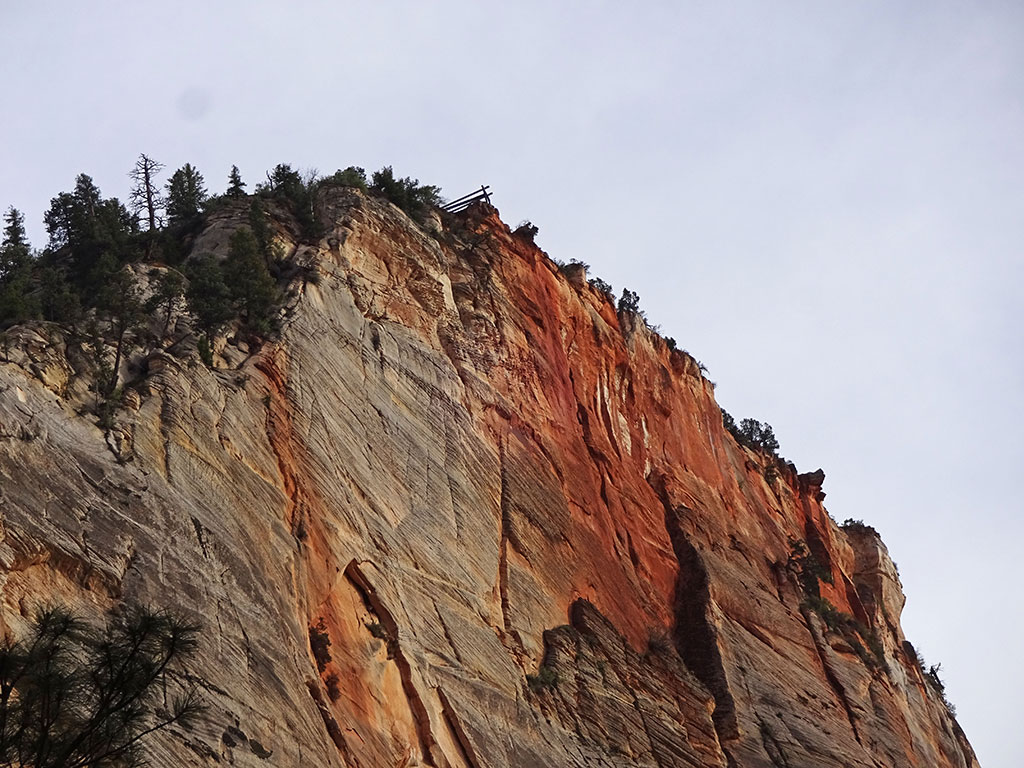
(465, 469)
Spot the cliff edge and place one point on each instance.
(458, 512)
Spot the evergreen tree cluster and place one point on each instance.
(752, 433)
(16, 300)
(72, 696)
(92, 238)
(414, 198)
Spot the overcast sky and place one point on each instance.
(822, 201)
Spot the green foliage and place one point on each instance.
(377, 630)
(118, 301)
(17, 302)
(107, 407)
(824, 608)
(546, 677)
(14, 238)
(102, 370)
(751, 433)
(629, 302)
(931, 675)
(350, 177)
(283, 180)
(287, 185)
(320, 645)
(205, 350)
(857, 526)
(601, 286)
(249, 281)
(92, 228)
(730, 424)
(527, 230)
(236, 187)
(658, 640)
(414, 198)
(808, 569)
(186, 194)
(853, 631)
(333, 684)
(72, 697)
(759, 436)
(72, 217)
(168, 289)
(59, 301)
(260, 227)
(209, 298)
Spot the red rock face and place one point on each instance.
(513, 513)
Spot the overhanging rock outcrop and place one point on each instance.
(514, 514)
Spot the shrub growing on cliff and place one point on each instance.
(546, 677)
(320, 644)
(72, 697)
(808, 569)
(352, 176)
(629, 302)
(601, 286)
(414, 198)
(751, 433)
(288, 185)
(857, 526)
(759, 436)
(931, 676)
(527, 230)
(853, 631)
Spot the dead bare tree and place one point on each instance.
(145, 195)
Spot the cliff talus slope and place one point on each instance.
(462, 467)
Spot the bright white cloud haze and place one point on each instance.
(824, 202)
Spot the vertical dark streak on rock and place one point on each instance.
(503, 544)
(460, 738)
(830, 673)
(333, 729)
(772, 747)
(432, 754)
(695, 635)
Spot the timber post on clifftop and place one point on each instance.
(462, 203)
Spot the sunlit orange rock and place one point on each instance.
(514, 512)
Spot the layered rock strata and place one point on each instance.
(511, 516)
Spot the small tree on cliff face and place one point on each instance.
(16, 300)
(209, 299)
(94, 230)
(119, 301)
(236, 187)
(71, 697)
(414, 198)
(759, 436)
(186, 193)
(249, 280)
(169, 288)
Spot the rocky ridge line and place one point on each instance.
(514, 512)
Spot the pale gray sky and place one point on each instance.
(821, 201)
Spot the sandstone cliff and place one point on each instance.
(515, 516)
